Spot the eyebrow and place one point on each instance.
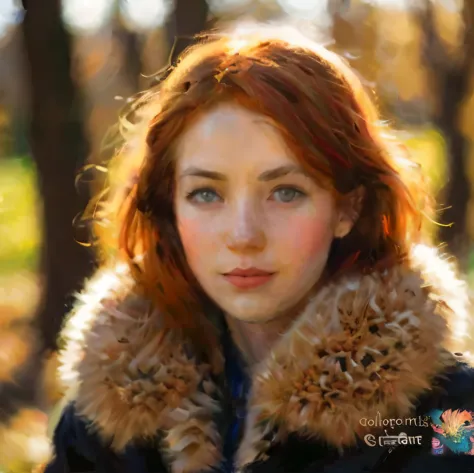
(281, 171)
(269, 175)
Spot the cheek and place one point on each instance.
(191, 234)
(305, 239)
(197, 240)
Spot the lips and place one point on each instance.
(248, 278)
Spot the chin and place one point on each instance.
(251, 311)
(256, 319)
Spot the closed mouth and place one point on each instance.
(248, 278)
(247, 273)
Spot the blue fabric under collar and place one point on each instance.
(238, 387)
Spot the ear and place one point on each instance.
(349, 211)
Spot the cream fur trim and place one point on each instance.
(133, 381)
(366, 344)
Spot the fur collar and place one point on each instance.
(366, 344)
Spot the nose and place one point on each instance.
(246, 229)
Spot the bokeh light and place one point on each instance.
(394, 4)
(145, 14)
(307, 9)
(87, 16)
(10, 14)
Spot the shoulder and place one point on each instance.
(78, 447)
(106, 301)
(452, 396)
(452, 389)
(456, 387)
(452, 393)
(124, 373)
(72, 430)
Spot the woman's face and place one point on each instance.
(255, 228)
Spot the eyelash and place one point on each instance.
(193, 194)
(299, 193)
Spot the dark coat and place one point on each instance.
(80, 451)
(370, 360)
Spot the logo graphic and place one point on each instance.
(453, 432)
(393, 441)
(396, 432)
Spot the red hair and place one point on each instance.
(327, 119)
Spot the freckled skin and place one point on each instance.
(284, 225)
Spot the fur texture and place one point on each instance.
(366, 344)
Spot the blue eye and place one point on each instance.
(203, 196)
(287, 194)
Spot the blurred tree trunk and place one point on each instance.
(188, 19)
(59, 149)
(451, 75)
(131, 45)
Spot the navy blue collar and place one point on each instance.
(238, 386)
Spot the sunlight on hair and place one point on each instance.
(87, 16)
(237, 44)
(145, 14)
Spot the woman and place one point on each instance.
(267, 305)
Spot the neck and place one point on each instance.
(255, 340)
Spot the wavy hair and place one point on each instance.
(328, 120)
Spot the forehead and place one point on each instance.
(229, 135)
